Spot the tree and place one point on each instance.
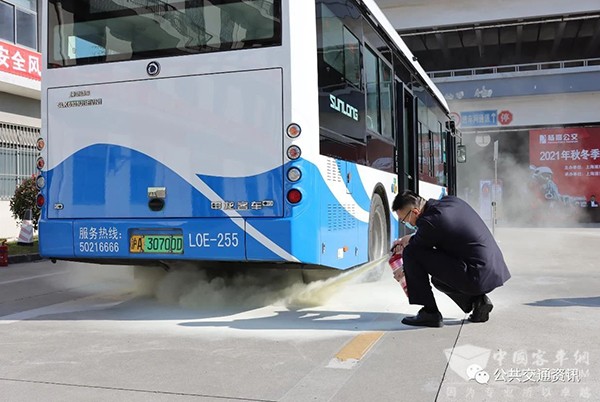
(25, 198)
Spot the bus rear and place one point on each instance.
(165, 124)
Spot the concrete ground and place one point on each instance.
(76, 332)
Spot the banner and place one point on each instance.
(19, 61)
(565, 163)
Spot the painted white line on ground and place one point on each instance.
(88, 303)
(32, 277)
(324, 381)
(342, 364)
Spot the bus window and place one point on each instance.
(351, 58)
(386, 99)
(421, 150)
(96, 31)
(371, 73)
(431, 155)
(340, 48)
(441, 170)
(380, 95)
(333, 40)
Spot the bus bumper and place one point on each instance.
(203, 239)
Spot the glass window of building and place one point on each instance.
(26, 29)
(18, 22)
(26, 4)
(7, 22)
(17, 160)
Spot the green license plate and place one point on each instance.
(157, 244)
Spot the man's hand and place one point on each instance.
(399, 274)
(400, 244)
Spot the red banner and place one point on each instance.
(20, 61)
(566, 163)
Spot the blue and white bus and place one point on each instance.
(232, 131)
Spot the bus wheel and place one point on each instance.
(379, 236)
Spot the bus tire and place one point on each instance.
(379, 236)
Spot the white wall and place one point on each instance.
(21, 86)
(8, 226)
(556, 109)
(411, 14)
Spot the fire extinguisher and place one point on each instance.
(3, 254)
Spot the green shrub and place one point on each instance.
(25, 199)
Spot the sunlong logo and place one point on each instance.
(342, 107)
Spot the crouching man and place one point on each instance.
(453, 246)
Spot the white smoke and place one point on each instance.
(519, 203)
(188, 287)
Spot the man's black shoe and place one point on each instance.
(425, 319)
(481, 309)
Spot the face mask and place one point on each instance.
(410, 226)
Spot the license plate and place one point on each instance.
(156, 244)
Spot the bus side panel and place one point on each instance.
(339, 224)
(323, 228)
(297, 233)
(386, 183)
(348, 189)
(428, 190)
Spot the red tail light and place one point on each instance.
(294, 196)
(40, 200)
(293, 152)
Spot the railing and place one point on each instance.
(515, 68)
(18, 156)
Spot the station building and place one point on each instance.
(523, 77)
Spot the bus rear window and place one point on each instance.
(98, 31)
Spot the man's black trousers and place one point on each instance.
(448, 274)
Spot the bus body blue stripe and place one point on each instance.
(317, 231)
(112, 181)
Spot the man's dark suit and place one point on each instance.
(455, 247)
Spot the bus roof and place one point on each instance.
(389, 29)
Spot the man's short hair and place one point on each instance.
(406, 199)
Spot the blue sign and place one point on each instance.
(479, 118)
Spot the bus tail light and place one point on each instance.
(40, 200)
(40, 163)
(40, 144)
(294, 152)
(294, 130)
(40, 182)
(294, 174)
(294, 196)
